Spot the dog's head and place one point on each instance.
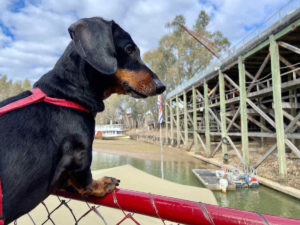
(111, 51)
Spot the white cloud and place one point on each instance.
(40, 28)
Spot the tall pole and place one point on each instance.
(206, 116)
(171, 122)
(223, 114)
(276, 84)
(185, 119)
(196, 149)
(167, 123)
(243, 112)
(177, 121)
(161, 154)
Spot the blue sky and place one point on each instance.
(33, 33)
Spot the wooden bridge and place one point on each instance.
(251, 96)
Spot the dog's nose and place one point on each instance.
(160, 87)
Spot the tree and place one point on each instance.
(9, 88)
(179, 57)
(26, 85)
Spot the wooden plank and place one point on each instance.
(287, 63)
(259, 124)
(196, 148)
(180, 134)
(252, 77)
(289, 47)
(233, 123)
(185, 119)
(294, 120)
(198, 135)
(243, 105)
(235, 149)
(265, 156)
(206, 115)
(276, 85)
(213, 91)
(292, 147)
(222, 111)
(257, 134)
(216, 149)
(167, 122)
(210, 110)
(171, 121)
(259, 72)
(262, 113)
(177, 121)
(234, 118)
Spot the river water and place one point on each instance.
(262, 199)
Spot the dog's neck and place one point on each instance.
(72, 78)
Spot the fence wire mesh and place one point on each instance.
(57, 210)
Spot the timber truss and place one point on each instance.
(255, 98)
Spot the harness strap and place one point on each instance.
(1, 206)
(39, 96)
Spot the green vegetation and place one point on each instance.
(9, 88)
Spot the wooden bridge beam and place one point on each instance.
(207, 124)
(243, 105)
(276, 84)
(196, 148)
(177, 121)
(185, 119)
(171, 121)
(167, 122)
(223, 113)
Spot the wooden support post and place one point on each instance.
(292, 94)
(207, 124)
(262, 139)
(244, 119)
(276, 83)
(196, 150)
(185, 119)
(171, 121)
(177, 121)
(223, 114)
(167, 123)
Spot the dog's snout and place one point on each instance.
(160, 87)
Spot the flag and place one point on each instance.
(159, 105)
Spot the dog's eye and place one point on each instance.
(129, 49)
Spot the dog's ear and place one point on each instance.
(93, 41)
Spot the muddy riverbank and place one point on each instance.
(143, 150)
(268, 169)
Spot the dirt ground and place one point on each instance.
(268, 169)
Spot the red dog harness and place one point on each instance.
(37, 96)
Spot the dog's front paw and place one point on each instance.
(102, 187)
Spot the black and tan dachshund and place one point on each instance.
(44, 146)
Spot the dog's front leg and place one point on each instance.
(73, 170)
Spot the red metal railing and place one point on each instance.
(179, 210)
